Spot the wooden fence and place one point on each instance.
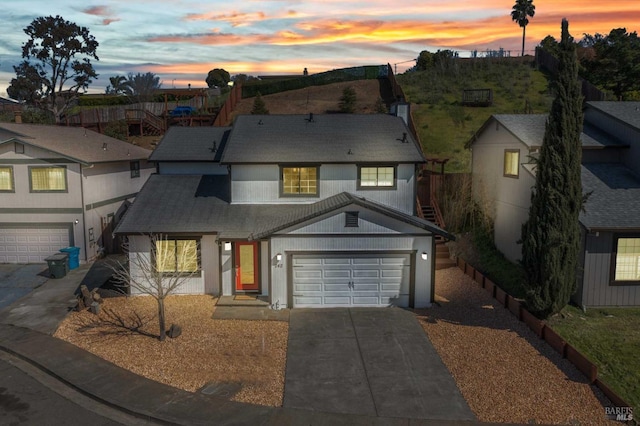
(224, 115)
(542, 330)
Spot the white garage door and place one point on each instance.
(31, 244)
(327, 280)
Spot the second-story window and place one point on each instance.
(6, 179)
(511, 162)
(376, 177)
(299, 180)
(48, 179)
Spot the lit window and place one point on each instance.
(48, 179)
(174, 255)
(300, 180)
(511, 162)
(377, 177)
(627, 260)
(6, 178)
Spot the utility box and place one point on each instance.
(74, 256)
(58, 265)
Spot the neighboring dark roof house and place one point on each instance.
(187, 144)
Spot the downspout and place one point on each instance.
(433, 268)
(84, 222)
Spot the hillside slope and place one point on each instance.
(445, 126)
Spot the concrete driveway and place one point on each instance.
(17, 281)
(376, 362)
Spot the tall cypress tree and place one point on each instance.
(551, 236)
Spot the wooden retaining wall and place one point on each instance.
(542, 330)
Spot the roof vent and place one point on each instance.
(104, 146)
(260, 123)
(404, 138)
(310, 119)
(351, 219)
(349, 152)
(214, 148)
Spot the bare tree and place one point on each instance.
(159, 269)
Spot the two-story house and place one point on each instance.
(63, 186)
(504, 175)
(306, 211)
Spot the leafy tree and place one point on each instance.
(521, 12)
(218, 77)
(142, 87)
(380, 107)
(348, 100)
(442, 60)
(550, 44)
(259, 107)
(117, 85)
(551, 236)
(242, 78)
(57, 63)
(615, 64)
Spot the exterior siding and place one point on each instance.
(596, 288)
(255, 184)
(288, 245)
(505, 199)
(107, 181)
(165, 168)
(226, 270)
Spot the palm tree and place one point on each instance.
(117, 86)
(142, 86)
(522, 10)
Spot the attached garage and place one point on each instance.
(32, 243)
(351, 279)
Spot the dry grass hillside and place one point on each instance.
(320, 99)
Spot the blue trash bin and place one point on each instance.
(74, 256)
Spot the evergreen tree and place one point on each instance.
(259, 107)
(551, 236)
(348, 100)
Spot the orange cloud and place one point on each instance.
(236, 19)
(97, 10)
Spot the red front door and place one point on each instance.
(246, 258)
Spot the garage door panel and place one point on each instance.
(352, 280)
(32, 244)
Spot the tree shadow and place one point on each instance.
(110, 323)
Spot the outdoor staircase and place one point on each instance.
(443, 257)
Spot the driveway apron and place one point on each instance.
(376, 362)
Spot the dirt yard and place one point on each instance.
(504, 371)
(250, 355)
(318, 99)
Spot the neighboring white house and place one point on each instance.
(63, 186)
(504, 175)
(306, 211)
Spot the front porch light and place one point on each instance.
(279, 257)
(227, 246)
(424, 255)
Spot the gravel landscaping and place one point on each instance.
(504, 371)
(246, 355)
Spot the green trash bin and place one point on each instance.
(58, 265)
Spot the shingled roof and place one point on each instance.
(626, 112)
(614, 200)
(187, 204)
(530, 128)
(75, 143)
(326, 138)
(191, 144)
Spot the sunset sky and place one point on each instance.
(181, 40)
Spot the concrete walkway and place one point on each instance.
(373, 362)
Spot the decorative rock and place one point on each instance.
(94, 308)
(174, 331)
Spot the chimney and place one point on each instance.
(17, 117)
(401, 109)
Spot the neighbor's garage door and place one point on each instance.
(32, 244)
(326, 280)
